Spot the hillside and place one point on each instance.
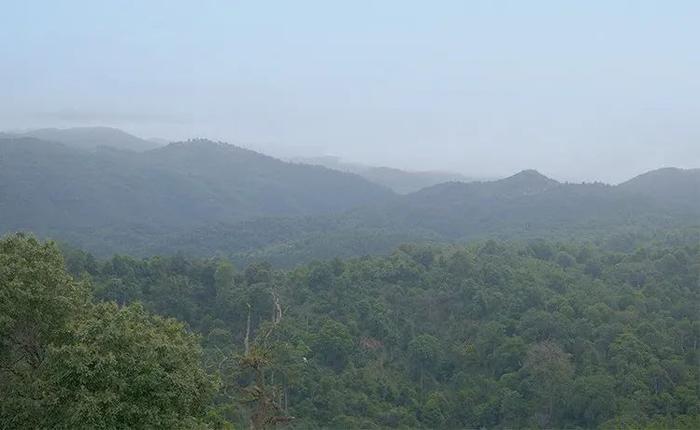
(91, 138)
(401, 181)
(525, 205)
(207, 198)
(668, 185)
(51, 188)
(530, 203)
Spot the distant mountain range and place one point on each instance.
(401, 181)
(209, 198)
(524, 206)
(529, 202)
(52, 187)
(91, 138)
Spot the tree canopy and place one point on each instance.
(495, 335)
(68, 363)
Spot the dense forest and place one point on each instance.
(538, 333)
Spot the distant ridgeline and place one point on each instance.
(206, 198)
(401, 181)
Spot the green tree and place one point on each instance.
(592, 399)
(38, 301)
(549, 373)
(424, 353)
(224, 277)
(66, 363)
(125, 368)
(333, 344)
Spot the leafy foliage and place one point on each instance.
(66, 363)
(534, 334)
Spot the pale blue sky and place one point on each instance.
(579, 90)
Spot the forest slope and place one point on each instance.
(524, 206)
(51, 188)
(206, 198)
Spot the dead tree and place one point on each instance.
(265, 400)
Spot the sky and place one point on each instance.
(581, 91)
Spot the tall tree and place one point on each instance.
(66, 363)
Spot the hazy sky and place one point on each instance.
(579, 90)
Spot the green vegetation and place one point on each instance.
(66, 363)
(495, 335)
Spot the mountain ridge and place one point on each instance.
(180, 185)
(90, 138)
(212, 198)
(400, 181)
(451, 212)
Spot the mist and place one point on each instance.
(580, 92)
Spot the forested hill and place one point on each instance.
(529, 202)
(52, 188)
(669, 185)
(206, 198)
(401, 181)
(526, 205)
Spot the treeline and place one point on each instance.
(495, 335)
